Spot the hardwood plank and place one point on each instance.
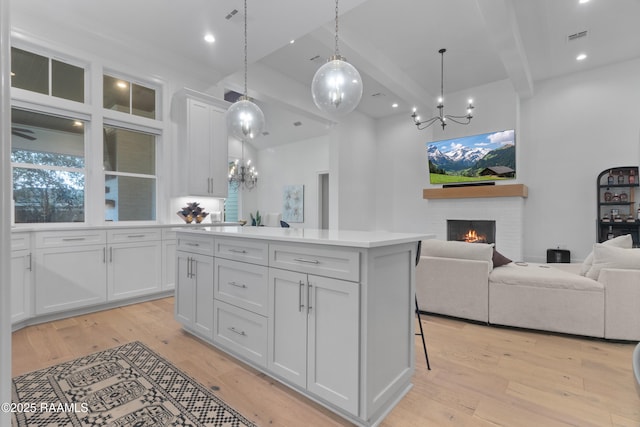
(481, 375)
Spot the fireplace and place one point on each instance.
(473, 231)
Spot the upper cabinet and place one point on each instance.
(203, 162)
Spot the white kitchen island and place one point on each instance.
(329, 313)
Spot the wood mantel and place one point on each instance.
(469, 192)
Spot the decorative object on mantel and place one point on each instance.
(245, 120)
(242, 174)
(442, 117)
(293, 203)
(337, 86)
(192, 212)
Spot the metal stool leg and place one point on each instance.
(421, 333)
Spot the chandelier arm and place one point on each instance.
(425, 124)
(455, 119)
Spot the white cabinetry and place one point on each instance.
(203, 151)
(314, 335)
(134, 260)
(70, 270)
(168, 259)
(21, 273)
(194, 284)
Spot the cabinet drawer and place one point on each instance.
(52, 239)
(241, 284)
(20, 241)
(256, 252)
(194, 243)
(241, 331)
(133, 235)
(339, 263)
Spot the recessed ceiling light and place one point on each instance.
(292, 41)
(209, 38)
(394, 105)
(581, 57)
(583, 1)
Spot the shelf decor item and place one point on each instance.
(618, 193)
(192, 212)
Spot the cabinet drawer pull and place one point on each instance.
(192, 244)
(233, 329)
(30, 268)
(133, 236)
(238, 285)
(300, 304)
(308, 261)
(238, 251)
(73, 239)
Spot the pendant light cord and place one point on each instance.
(337, 50)
(245, 48)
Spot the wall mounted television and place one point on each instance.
(477, 158)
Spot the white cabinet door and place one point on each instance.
(333, 341)
(134, 269)
(185, 292)
(207, 150)
(288, 325)
(314, 335)
(21, 268)
(194, 292)
(70, 277)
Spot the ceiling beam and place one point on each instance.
(504, 32)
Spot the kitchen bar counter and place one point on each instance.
(329, 313)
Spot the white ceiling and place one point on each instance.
(394, 45)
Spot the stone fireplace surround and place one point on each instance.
(507, 212)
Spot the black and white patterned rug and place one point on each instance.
(125, 386)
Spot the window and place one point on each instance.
(48, 165)
(37, 73)
(129, 159)
(128, 97)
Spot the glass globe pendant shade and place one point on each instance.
(245, 120)
(336, 87)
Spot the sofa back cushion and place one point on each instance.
(623, 241)
(458, 250)
(611, 257)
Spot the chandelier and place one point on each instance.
(337, 86)
(242, 174)
(245, 119)
(442, 117)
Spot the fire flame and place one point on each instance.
(473, 237)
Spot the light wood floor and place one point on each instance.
(481, 375)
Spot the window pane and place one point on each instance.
(115, 94)
(144, 101)
(129, 151)
(41, 139)
(29, 71)
(67, 81)
(43, 195)
(130, 198)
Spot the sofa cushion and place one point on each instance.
(543, 276)
(623, 241)
(611, 257)
(498, 259)
(458, 250)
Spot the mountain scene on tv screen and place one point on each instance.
(484, 157)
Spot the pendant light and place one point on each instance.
(336, 87)
(245, 119)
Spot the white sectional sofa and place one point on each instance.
(598, 298)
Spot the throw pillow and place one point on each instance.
(499, 259)
(612, 257)
(623, 241)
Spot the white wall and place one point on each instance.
(292, 164)
(575, 127)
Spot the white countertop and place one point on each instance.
(352, 238)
